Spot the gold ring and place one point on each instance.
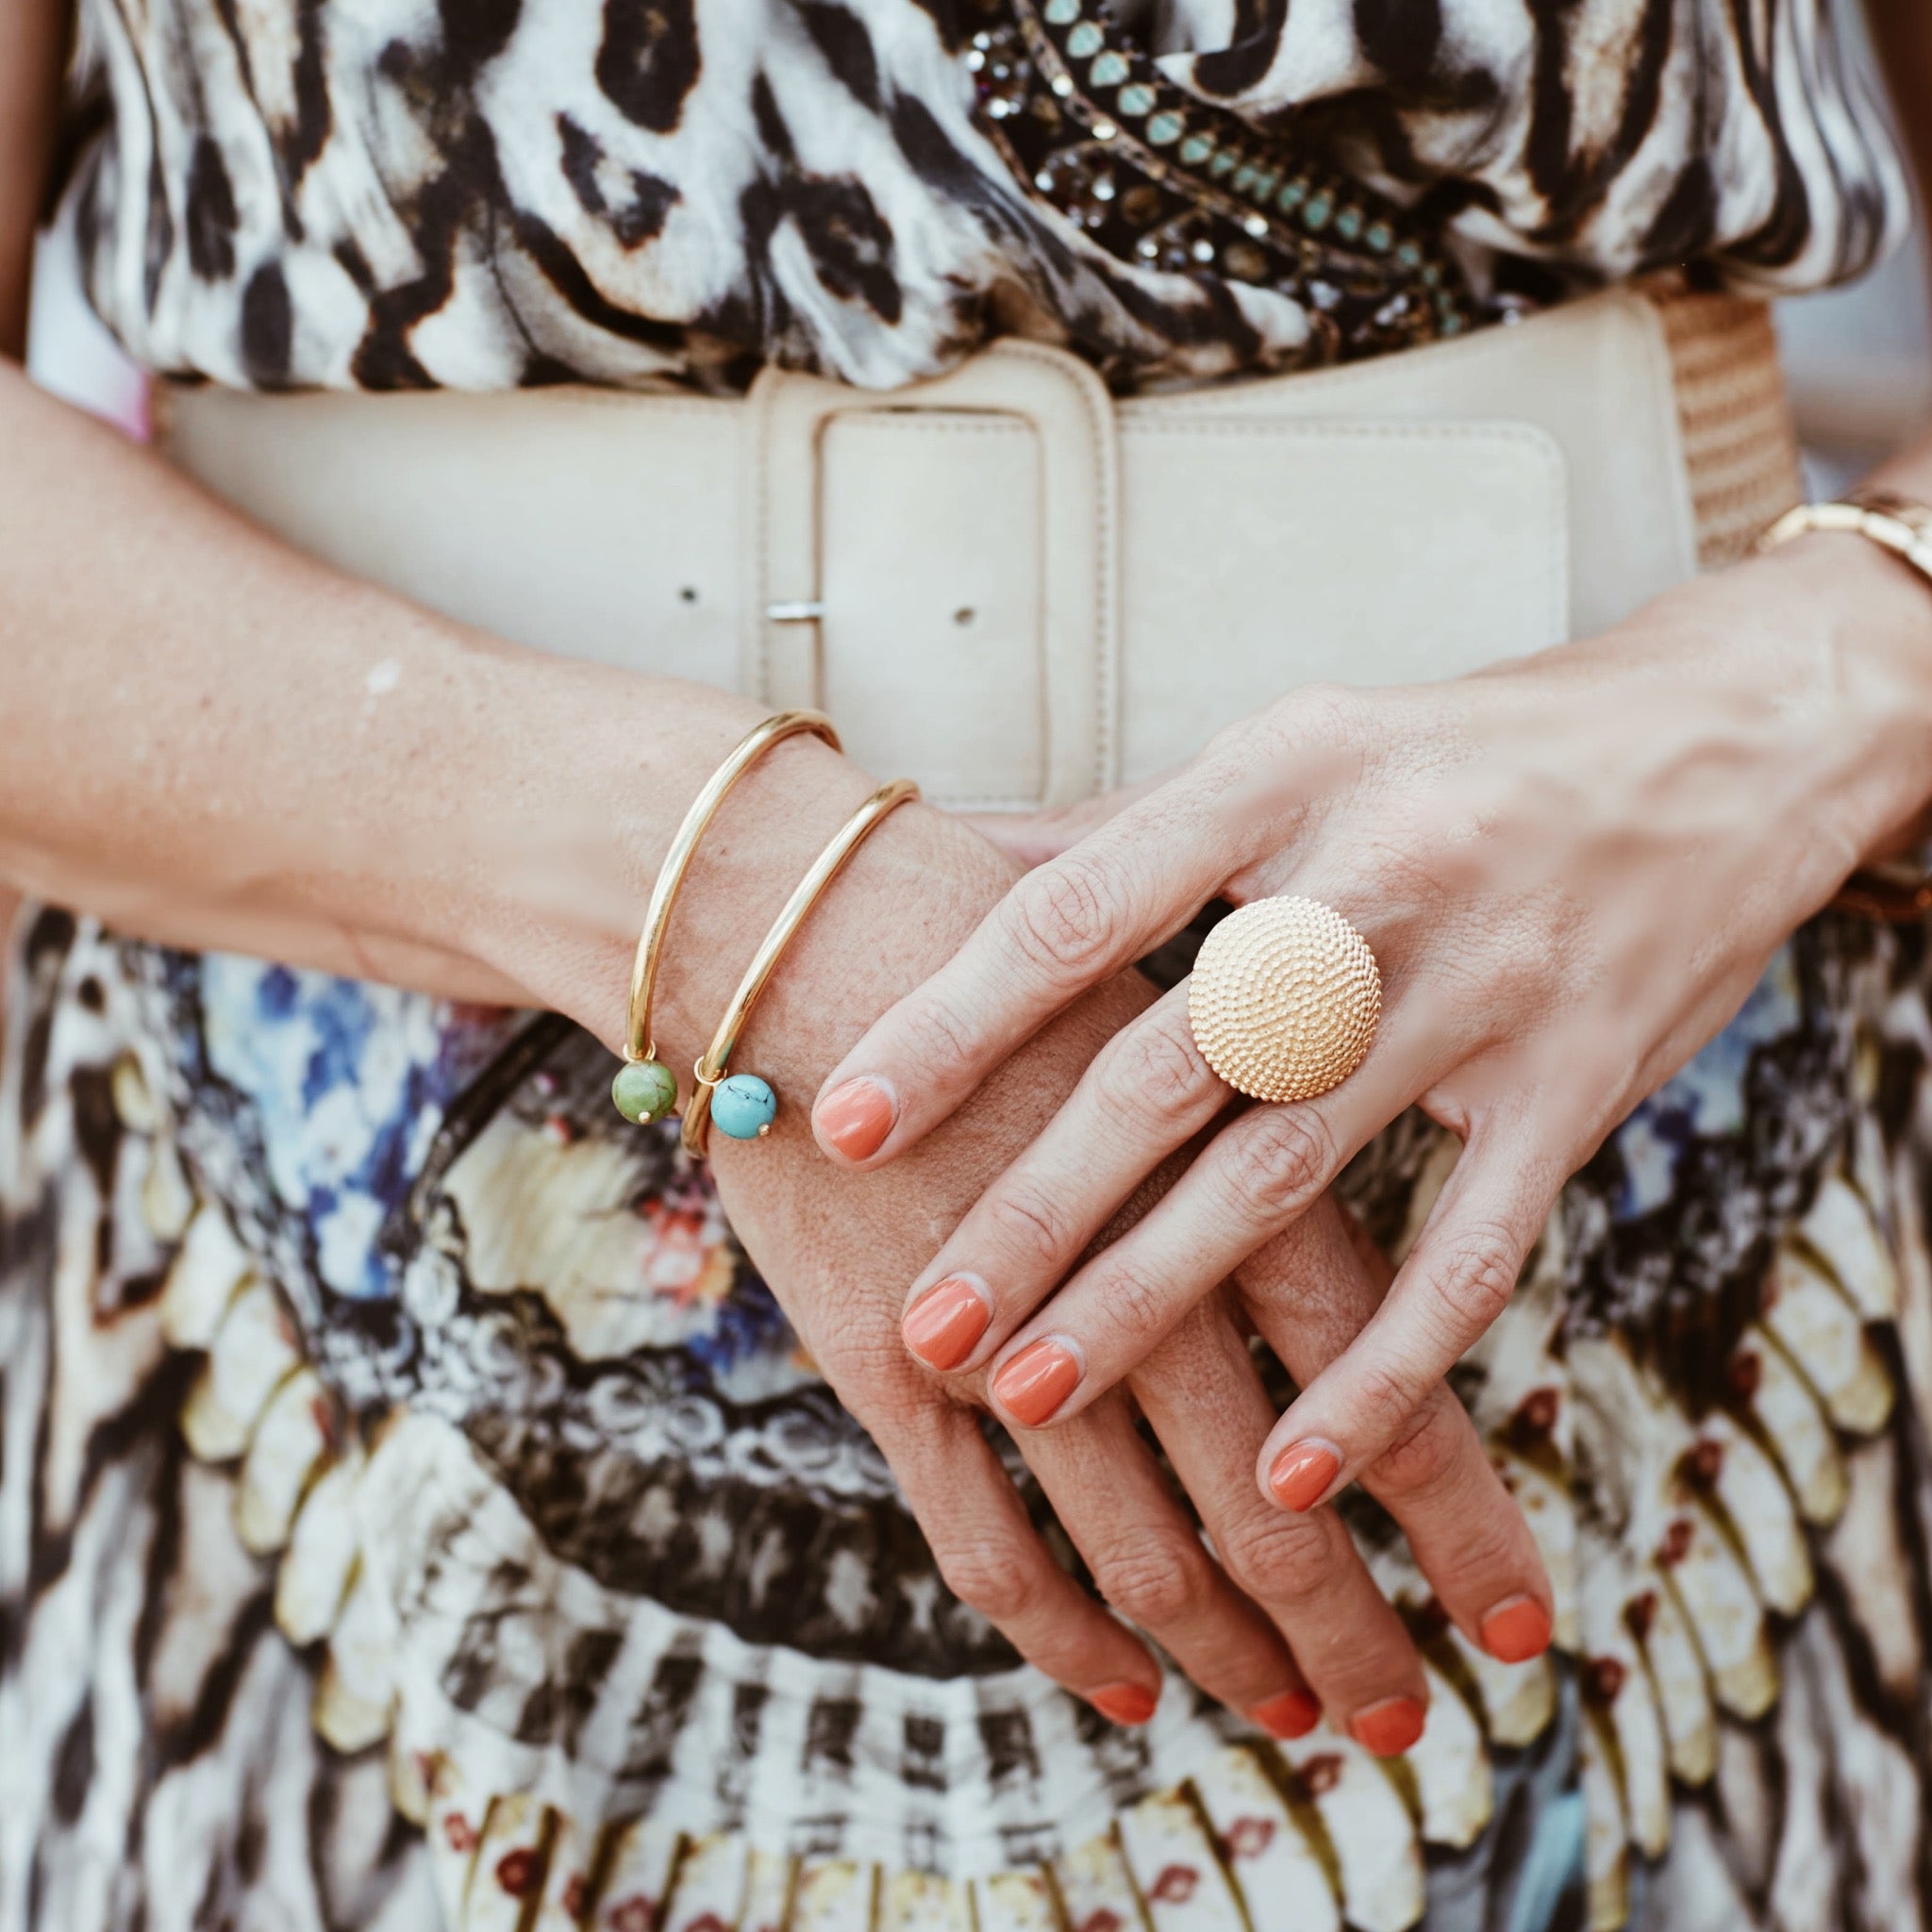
(1285, 999)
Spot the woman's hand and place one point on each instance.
(1279, 1618)
(1282, 1618)
(1572, 869)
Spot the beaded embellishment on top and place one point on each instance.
(1161, 178)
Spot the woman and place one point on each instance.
(416, 1505)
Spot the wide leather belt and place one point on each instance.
(1018, 588)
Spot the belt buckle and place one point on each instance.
(1071, 414)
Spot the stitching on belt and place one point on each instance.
(1105, 511)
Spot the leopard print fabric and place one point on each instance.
(387, 193)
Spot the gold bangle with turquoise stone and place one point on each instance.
(743, 1105)
(644, 1089)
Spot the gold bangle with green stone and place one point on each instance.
(646, 1089)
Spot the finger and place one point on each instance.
(1456, 1280)
(1207, 1403)
(1266, 1167)
(1310, 1292)
(994, 1560)
(1146, 1095)
(1079, 919)
(1148, 1561)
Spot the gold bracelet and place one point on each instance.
(644, 1089)
(743, 1105)
(1893, 522)
(1892, 894)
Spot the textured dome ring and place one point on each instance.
(1285, 999)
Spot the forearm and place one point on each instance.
(214, 738)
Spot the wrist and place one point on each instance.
(1855, 624)
(591, 774)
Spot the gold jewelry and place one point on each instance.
(743, 1104)
(1893, 522)
(646, 1089)
(1285, 999)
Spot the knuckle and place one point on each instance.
(1062, 918)
(1281, 1160)
(1490, 1546)
(1280, 1562)
(1134, 1304)
(1026, 1223)
(992, 1577)
(1384, 1396)
(941, 1040)
(1424, 1449)
(1476, 1278)
(1156, 1069)
(1157, 1581)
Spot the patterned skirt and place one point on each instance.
(414, 1511)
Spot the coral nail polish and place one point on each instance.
(1293, 1714)
(856, 1117)
(1034, 1384)
(1301, 1474)
(1126, 1704)
(1517, 1630)
(1389, 1729)
(943, 1326)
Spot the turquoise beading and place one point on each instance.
(743, 1107)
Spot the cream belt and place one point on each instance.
(1013, 587)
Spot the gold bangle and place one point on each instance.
(1893, 522)
(644, 1089)
(753, 1102)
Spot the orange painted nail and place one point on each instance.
(1301, 1474)
(1517, 1630)
(856, 1117)
(1126, 1704)
(1037, 1381)
(1293, 1714)
(1389, 1729)
(943, 1326)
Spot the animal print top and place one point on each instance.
(386, 193)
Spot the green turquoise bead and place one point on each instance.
(743, 1107)
(645, 1091)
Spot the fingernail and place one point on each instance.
(1037, 1381)
(1517, 1630)
(943, 1326)
(1389, 1729)
(1301, 1474)
(1126, 1704)
(1293, 1714)
(856, 1117)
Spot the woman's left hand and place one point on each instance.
(1572, 869)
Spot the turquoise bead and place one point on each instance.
(645, 1091)
(743, 1107)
